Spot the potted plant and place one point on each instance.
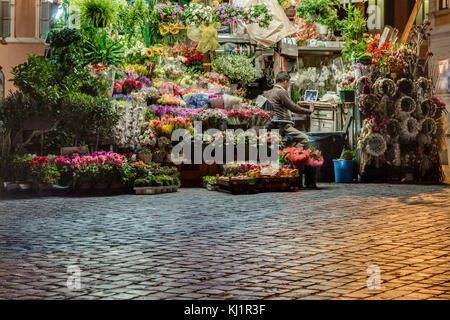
(145, 154)
(159, 155)
(347, 91)
(211, 183)
(22, 171)
(85, 176)
(322, 13)
(343, 167)
(99, 13)
(43, 173)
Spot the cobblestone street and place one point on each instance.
(195, 244)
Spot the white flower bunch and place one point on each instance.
(128, 130)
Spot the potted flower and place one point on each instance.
(159, 155)
(210, 183)
(322, 13)
(347, 91)
(43, 173)
(145, 154)
(343, 167)
(85, 176)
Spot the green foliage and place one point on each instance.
(353, 29)
(348, 155)
(45, 173)
(98, 13)
(36, 78)
(322, 11)
(21, 168)
(210, 180)
(85, 115)
(59, 38)
(102, 48)
(133, 21)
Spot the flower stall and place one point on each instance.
(131, 75)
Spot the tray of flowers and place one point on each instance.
(156, 184)
(238, 185)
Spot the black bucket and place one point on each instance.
(331, 144)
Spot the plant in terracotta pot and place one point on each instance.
(43, 173)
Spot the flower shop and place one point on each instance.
(98, 112)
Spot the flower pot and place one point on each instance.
(24, 186)
(101, 186)
(159, 157)
(347, 95)
(322, 29)
(290, 12)
(310, 177)
(85, 185)
(343, 171)
(115, 185)
(146, 157)
(45, 186)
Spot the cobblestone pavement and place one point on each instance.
(195, 244)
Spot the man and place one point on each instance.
(282, 105)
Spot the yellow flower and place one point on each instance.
(157, 84)
(158, 50)
(149, 52)
(167, 129)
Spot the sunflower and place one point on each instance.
(149, 52)
(159, 51)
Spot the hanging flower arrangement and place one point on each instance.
(406, 104)
(410, 129)
(405, 86)
(385, 87)
(428, 126)
(428, 108)
(376, 145)
(368, 104)
(363, 85)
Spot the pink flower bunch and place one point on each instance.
(212, 78)
(98, 158)
(61, 161)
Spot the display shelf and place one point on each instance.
(244, 38)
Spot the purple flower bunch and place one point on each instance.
(120, 96)
(161, 111)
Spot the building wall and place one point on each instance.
(440, 46)
(24, 39)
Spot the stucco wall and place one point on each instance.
(13, 54)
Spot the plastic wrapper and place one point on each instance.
(199, 100)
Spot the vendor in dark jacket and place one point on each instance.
(283, 105)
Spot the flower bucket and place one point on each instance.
(347, 95)
(115, 185)
(343, 171)
(147, 157)
(310, 177)
(159, 157)
(322, 29)
(45, 186)
(85, 185)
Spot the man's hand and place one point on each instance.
(311, 107)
